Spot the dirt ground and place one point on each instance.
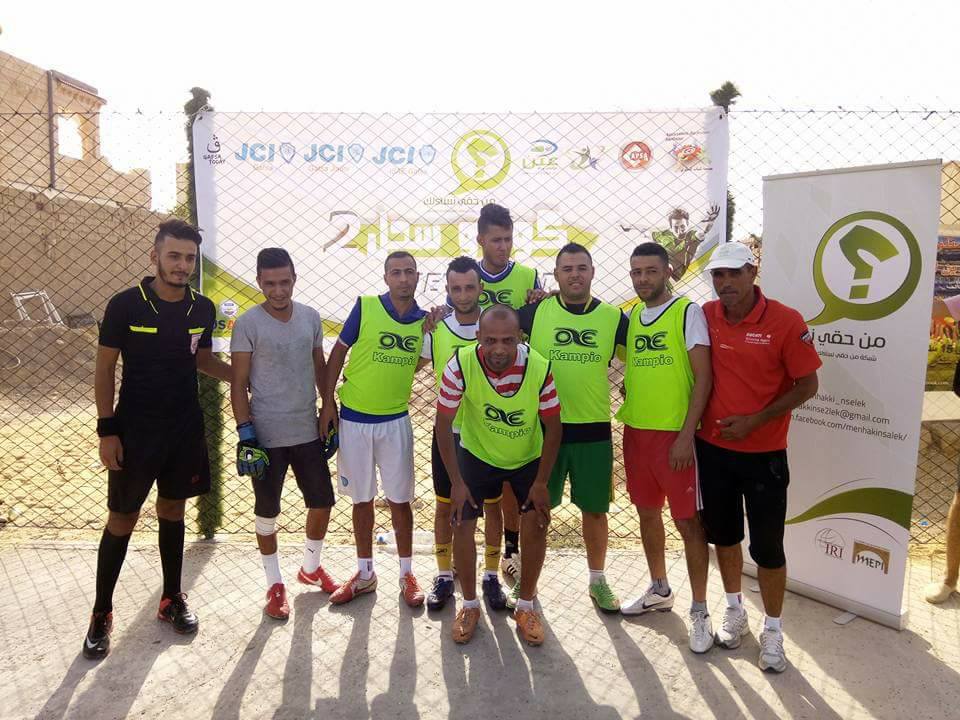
(376, 659)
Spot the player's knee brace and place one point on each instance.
(768, 555)
(265, 526)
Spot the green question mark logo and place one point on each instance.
(479, 148)
(857, 239)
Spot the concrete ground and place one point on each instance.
(374, 658)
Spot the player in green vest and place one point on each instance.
(457, 330)
(508, 283)
(668, 380)
(579, 334)
(383, 335)
(510, 417)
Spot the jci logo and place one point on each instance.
(513, 419)
(583, 338)
(407, 343)
(651, 342)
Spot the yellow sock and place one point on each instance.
(444, 554)
(491, 558)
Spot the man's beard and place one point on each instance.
(168, 279)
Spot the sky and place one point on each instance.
(493, 56)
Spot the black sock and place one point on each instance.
(170, 539)
(110, 555)
(511, 540)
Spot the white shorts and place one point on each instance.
(364, 447)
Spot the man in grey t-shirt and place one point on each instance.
(277, 352)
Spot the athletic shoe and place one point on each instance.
(412, 594)
(441, 591)
(529, 626)
(510, 567)
(734, 627)
(603, 596)
(493, 593)
(514, 595)
(175, 611)
(465, 624)
(649, 602)
(701, 632)
(938, 592)
(96, 645)
(353, 587)
(772, 657)
(319, 578)
(277, 606)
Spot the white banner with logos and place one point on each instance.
(854, 251)
(340, 192)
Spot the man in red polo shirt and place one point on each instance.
(764, 366)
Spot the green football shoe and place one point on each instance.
(603, 596)
(514, 595)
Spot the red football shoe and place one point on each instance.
(353, 587)
(320, 578)
(277, 606)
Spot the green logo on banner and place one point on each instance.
(864, 248)
(480, 160)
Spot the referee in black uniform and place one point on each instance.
(163, 331)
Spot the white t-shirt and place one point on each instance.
(695, 330)
(468, 331)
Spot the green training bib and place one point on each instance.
(445, 342)
(511, 289)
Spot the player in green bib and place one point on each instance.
(510, 433)
(668, 380)
(579, 334)
(508, 283)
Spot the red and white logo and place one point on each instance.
(635, 155)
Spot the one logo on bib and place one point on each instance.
(513, 419)
(583, 338)
(495, 297)
(656, 341)
(407, 343)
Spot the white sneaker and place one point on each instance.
(510, 567)
(772, 656)
(649, 602)
(734, 627)
(938, 592)
(701, 632)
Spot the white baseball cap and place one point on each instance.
(730, 255)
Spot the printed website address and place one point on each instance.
(832, 425)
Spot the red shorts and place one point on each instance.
(646, 458)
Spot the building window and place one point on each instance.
(69, 142)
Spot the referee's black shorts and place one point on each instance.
(730, 480)
(173, 455)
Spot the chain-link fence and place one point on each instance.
(74, 230)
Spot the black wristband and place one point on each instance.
(108, 426)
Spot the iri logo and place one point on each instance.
(583, 338)
(656, 341)
(513, 419)
(407, 343)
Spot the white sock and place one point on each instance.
(526, 605)
(595, 576)
(406, 566)
(365, 565)
(475, 603)
(448, 574)
(271, 566)
(489, 574)
(311, 555)
(772, 623)
(734, 600)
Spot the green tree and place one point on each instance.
(209, 506)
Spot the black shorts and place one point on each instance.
(730, 480)
(441, 478)
(485, 482)
(309, 468)
(173, 456)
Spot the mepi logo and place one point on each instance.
(495, 297)
(830, 543)
(871, 556)
(287, 151)
(513, 419)
(650, 342)
(635, 155)
(229, 308)
(407, 343)
(566, 336)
